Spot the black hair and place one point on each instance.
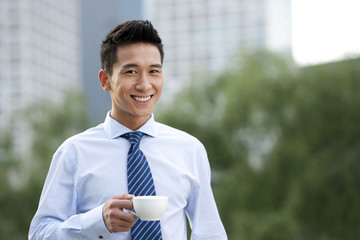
(126, 33)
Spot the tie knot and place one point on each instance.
(133, 137)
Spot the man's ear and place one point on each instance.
(104, 78)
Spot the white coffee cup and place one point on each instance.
(150, 208)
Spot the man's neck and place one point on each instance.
(133, 123)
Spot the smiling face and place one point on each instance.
(135, 84)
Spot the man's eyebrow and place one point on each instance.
(130, 65)
(156, 65)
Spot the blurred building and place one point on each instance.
(39, 54)
(201, 37)
(95, 25)
(48, 47)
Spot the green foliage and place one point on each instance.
(8, 165)
(286, 142)
(51, 124)
(48, 124)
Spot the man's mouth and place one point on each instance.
(141, 99)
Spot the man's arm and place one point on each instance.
(57, 216)
(203, 215)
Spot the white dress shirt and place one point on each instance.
(90, 168)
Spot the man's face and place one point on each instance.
(136, 83)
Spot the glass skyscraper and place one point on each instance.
(39, 53)
(201, 37)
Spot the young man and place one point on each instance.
(89, 187)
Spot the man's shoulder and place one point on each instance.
(169, 131)
(91, 134)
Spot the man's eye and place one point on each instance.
(131, 71)
(154, 71)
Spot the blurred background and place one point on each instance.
(271, 87)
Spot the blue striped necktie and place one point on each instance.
(140, 183)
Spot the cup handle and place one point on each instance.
(131, 211)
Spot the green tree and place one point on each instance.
(285, 142)
(49, 125)
(9, 163)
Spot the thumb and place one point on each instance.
(123, 196)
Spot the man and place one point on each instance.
(88, 192)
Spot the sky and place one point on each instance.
(325, 30)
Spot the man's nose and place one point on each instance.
(143, 83)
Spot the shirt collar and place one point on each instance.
(114, 129)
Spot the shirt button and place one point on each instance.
(101, 237)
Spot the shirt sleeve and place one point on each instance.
(57, 216)
(201, 209)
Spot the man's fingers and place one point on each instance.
(119, 221)
(115, 218)
(124, 196)
(122, 226)
(122, 216)
(121, 204)
(130, 217)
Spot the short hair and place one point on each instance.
(126, 33)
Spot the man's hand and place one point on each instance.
(116, 220)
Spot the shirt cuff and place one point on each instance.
(94, 225)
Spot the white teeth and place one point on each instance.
(142, 99)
